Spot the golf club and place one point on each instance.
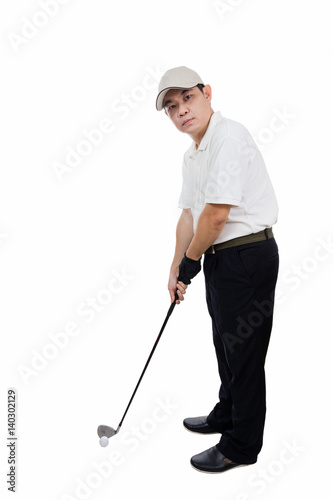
(104, 431)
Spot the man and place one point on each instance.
(228, 209)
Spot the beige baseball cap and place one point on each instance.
(176, 78)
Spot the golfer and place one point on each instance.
(228, 210)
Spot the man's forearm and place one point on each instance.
(207, 231)
(184, 235)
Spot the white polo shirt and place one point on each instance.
(228, 168)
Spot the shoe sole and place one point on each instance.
(220, 471)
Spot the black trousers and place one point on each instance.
(240, 288)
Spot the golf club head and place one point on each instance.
(105, 430)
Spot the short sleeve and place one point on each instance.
(184, 199)
(227, 172)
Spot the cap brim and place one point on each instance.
(161, 95)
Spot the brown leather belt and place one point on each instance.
(266, 234)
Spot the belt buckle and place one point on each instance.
(210, 250)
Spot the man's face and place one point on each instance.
(189, 109)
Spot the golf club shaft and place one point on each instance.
(171, 308)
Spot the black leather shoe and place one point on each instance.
(199, 424)
(212, 461)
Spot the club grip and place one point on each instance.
(176, 298)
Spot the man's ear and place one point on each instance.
(207, 92)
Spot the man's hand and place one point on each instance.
(188, 269)
(175, 285)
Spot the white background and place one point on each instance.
(62, 239)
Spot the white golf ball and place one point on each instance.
(104, 441)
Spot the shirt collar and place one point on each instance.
(206, 138)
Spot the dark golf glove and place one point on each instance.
(188, 269)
